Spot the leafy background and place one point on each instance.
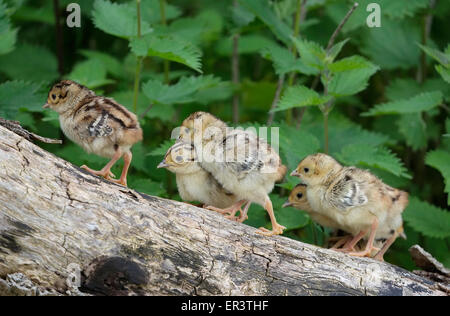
(375, 97)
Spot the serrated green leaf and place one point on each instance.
(350, 63)
(444, 72)
(299, 96)
(296, 144)
(163, 148)
(90, 73)
(342, 132)
(151, 11)
(16, 95)
(268, 17)
(311, 54)
(336, 49)
(241, 16)
(248, 44)
(440, 160)
(377, 157)
(118, 19)
(428, 219)
(30, 63)
(338, 9)
(8, 35)
(139, 153)
(158, 111)
(284, 61)
(168, 47)
(110, 63)
(442, 58)
(419, 103)
(198, 30)
(413, 128)
(7, 41)
(42, 14)
(403, 88)
(398, 9)
(350, 76)
(393, 45)
(187, 90)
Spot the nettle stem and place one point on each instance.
(59, 37)
(139, 60)
(235, 72)
(298, 15)
(326, 108)
(325, 131)
(162, 6)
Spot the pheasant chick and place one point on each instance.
(99, 125)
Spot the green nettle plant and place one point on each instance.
(374, 97)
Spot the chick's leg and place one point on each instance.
(231, 211)
(277, 229)
(243, 216)
(106, 171)
(369, 247)
(340, 241)
(127, 157)
(351, 243)
(380, 255)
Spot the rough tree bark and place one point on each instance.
(55, 219)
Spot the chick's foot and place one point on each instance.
(276, 230)
(230, 212)
(105, 173)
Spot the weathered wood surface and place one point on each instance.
(56, 219)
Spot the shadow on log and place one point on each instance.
(66, 232)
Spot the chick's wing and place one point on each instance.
(245, 153)
(348, 191)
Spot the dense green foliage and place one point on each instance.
(373, 97)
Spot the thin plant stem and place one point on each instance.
(340, 26)
(280, 85)
(139, 60)
(426, 29)
(235, 72)
(236, 77)
(162, 5)
(298, 15)
(59, 38)
(327, 107)
(333, 38)
(325, 130)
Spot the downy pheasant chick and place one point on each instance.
(356, 199)
(242, 163)
(386, 233)
(99, 125)
(298, 199)
(194, 183)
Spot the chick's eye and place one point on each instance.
(299, 195)
(54, 96)
(306, 170)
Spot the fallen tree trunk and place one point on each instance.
(63, 231)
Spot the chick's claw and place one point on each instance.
(277, 230)
(230, 212)
(107, 174)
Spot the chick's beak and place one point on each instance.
(295, 173)
(287, 204)
(163, 164)
(46, 106)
